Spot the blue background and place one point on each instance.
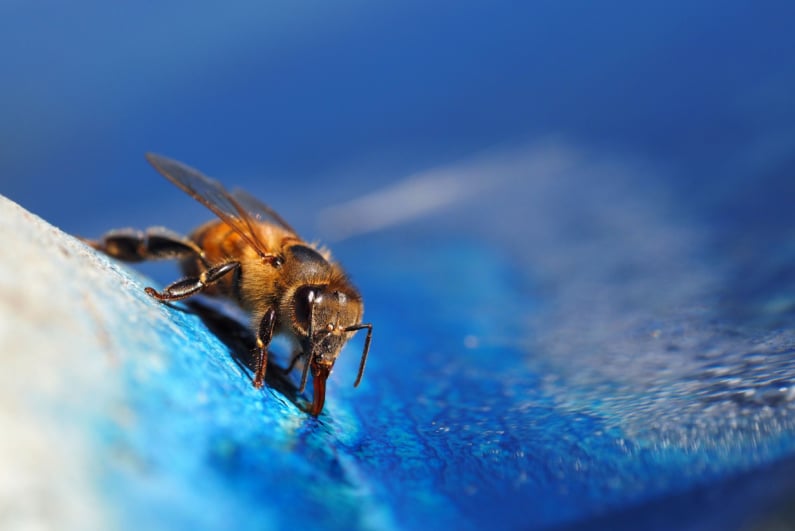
(601, 318)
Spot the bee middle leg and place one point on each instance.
(264, 336)
(305, 371)
(184, 288)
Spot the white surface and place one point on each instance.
(67, 316)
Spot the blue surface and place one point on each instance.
(441, 434)
(599, 326)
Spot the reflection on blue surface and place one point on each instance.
(596, 313)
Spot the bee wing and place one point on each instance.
(259, 210)
(211, 194)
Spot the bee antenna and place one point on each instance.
(363, 362)
(310, 334)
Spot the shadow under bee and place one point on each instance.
(242, 345)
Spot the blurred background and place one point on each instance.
(564, 181)
(340, 100)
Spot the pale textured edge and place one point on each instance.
(64, 331)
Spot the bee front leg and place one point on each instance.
(182, 289)
(264, 336)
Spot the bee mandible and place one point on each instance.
(253, 257)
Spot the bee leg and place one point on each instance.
(188, 286)
(264, 336)
(304, 376)
(291, 366)
(157, 243)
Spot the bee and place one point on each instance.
(253, 257)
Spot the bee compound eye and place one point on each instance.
(303, 300)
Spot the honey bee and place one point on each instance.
(253, 257)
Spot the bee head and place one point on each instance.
(324, 319)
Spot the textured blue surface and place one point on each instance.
(380, 456)
(443, 430)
